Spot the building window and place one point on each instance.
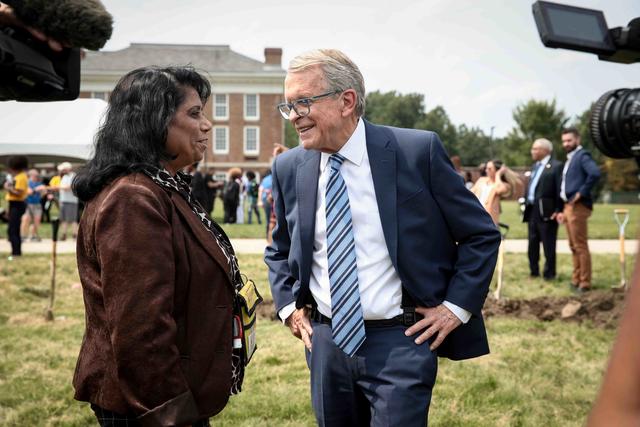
(251, 107)
(100, 95)
(221, 106)
(221, 139)
(251, 140)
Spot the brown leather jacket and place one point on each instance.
(158, 307)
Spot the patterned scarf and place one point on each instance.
(180, 184)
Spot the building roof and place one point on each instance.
(210, 58)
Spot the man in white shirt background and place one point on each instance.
(579, 175)
(381, 258)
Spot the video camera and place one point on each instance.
(29, 69)
(615, 117)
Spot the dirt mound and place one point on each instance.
(602, 308)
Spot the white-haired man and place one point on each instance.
(381, 258)
(543, 204)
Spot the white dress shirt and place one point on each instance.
(535, 179)
(563, 193)
(379, 284)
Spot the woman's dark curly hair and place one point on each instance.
(134, 132)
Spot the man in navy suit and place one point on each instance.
(579, 175)
(381, 259)
(543, 204)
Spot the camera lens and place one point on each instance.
(615, 123)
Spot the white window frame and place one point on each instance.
(214, 138)
(255, 152)
(226, 106)
(257, 116)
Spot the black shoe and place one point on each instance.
(549, 278)
(533, 276)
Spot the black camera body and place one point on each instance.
(30, 71)
(615, 117)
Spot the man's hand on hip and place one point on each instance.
(437, 320)
(300, 326)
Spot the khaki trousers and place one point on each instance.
(576, 216)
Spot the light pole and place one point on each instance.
(491, 142)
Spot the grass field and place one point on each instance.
(601, 224)
(539, 373)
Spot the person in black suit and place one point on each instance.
(543, 204)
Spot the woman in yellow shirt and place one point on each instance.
(17, 191)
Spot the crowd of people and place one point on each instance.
(31, 194)
(241, 193)
(556, 193)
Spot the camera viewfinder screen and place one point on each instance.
(577, 25)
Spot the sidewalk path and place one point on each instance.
(256, 246)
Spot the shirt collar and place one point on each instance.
(570, 155)
(545, 160)
(353, 150)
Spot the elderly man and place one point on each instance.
(543, 204)
(579, 175)
(381, 258)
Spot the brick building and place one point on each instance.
(242, 107)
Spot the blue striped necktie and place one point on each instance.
(347, 322)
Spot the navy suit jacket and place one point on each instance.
(582, 174)
(547, 193)
(441, 241)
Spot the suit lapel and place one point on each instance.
(306, 192)
(382, 158)
(204, 237)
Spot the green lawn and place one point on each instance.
(539, 373)
(602, 224)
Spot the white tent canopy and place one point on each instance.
(62, 129)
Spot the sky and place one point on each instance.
(479, 59)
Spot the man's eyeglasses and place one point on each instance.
(302, 107)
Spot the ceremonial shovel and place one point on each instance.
(622, 218)
(54, 237)
(504, 229)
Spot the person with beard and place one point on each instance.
(579, 175)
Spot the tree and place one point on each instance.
(474, 146)
(394, 109)
(437, 120)
(534, 119)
